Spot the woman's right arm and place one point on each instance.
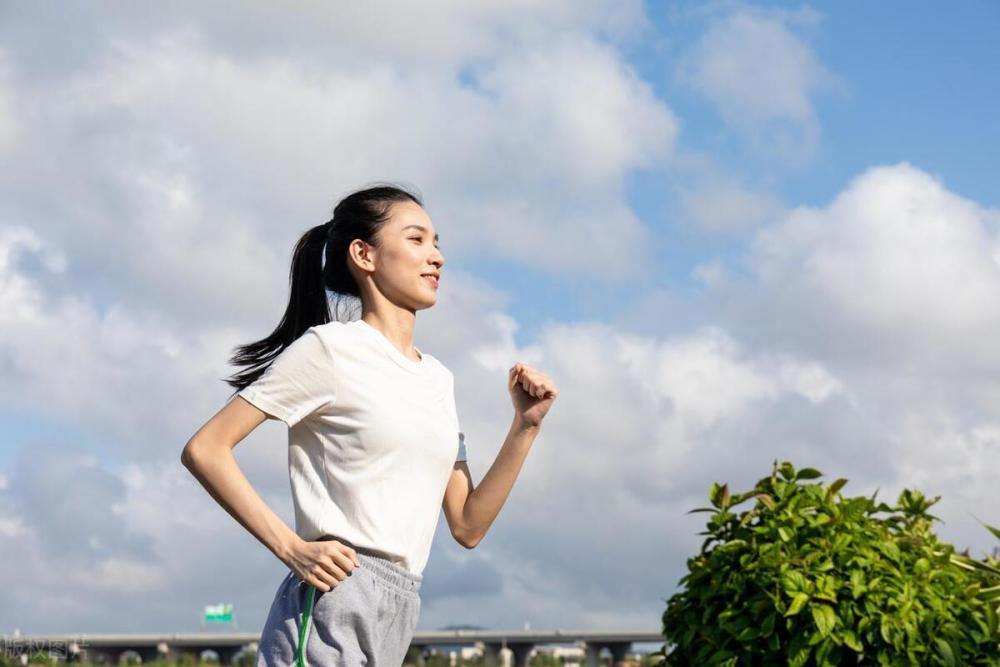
(209, 457)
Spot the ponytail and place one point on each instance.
(319, 264)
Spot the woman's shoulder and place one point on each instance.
(332, 328)
(331, 325)
(333, 334)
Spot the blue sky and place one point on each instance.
(915, 88)
(730, 232)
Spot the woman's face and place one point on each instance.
(407, 252)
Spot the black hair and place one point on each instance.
(359, 215)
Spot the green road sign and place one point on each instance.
(219, 612)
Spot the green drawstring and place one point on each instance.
(300, 659)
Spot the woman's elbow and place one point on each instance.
(467, 540)
(190, 454)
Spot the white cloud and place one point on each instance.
(443, 35)
(64, 357)
(729, 207)
(896, 271)
(712, 273)
(762, 77)
(180, 165)
(590, 111)
(714, 199)
(11, 527)
(212, 140)
(894, 288)
(90, 538)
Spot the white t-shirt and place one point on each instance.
(373, 437)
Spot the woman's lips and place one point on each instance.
(432, 280)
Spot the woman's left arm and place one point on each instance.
(471, 510)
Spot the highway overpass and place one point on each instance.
(111, 648)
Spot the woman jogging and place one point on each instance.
(375, 449)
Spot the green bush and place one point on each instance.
(809, 577)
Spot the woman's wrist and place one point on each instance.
(283, 550)
(521, 426)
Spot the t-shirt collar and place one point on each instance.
(390, 349)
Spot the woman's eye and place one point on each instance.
(417, 238)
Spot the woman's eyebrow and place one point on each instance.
(423, 229)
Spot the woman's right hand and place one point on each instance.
(324, 563)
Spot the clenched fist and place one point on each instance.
(532, 393)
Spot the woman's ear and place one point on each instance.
(360, 255)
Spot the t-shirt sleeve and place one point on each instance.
(453, 413)
(298, 382)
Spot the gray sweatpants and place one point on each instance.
(367, 619)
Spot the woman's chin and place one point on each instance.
(425, 301)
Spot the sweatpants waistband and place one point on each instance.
(390, 573)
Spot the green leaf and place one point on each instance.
(858, 584)
(836, 486)
(798, 652)
(828, 595)
(767, 627)
(971, 564)
(885, 627)
(944, 650)
(767, 500)
(991, 593)
(793, 581)
(824, 618)
(719, 656)
(841, 541)
(851, 641)
(798, 602)
(823, 650)
(995, 531)
(714, 493)
(808, 473)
